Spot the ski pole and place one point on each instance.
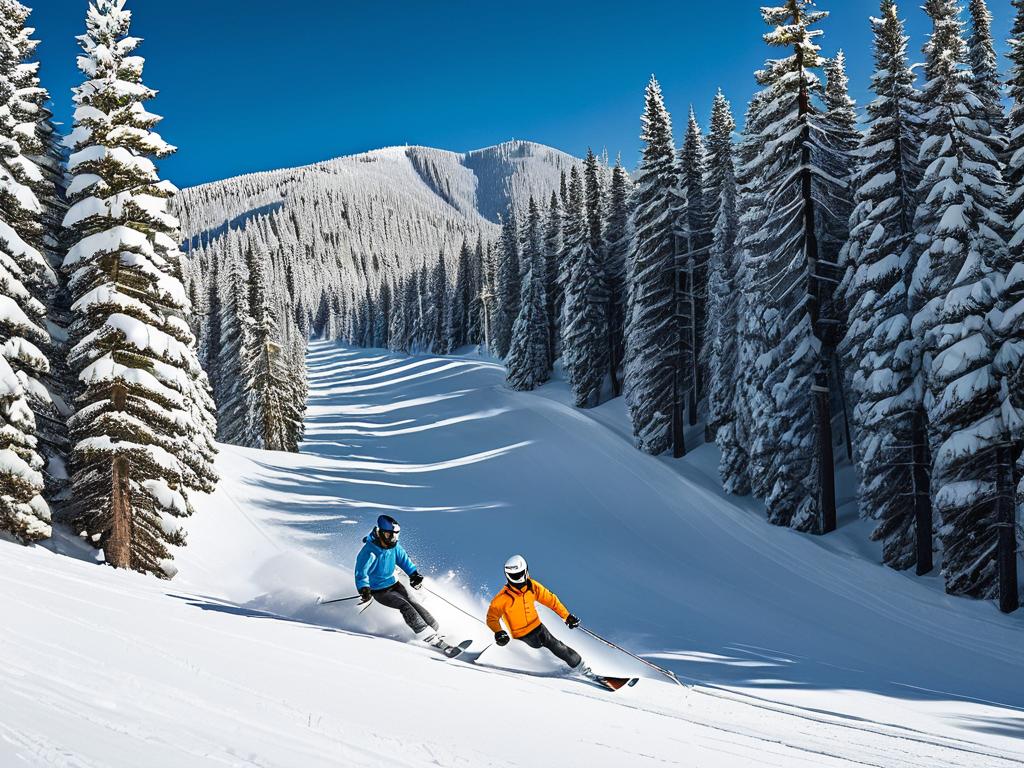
(670, 675)
(366, 605)
(453, 605)
(321, 601)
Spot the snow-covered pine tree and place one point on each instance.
(958, 237)
(552, 258)
(40, 141)
(474, 312)
(24, 276)
(439, 298)
(422, 315)
(508, 286)
(585, 333)
(695, 232)
(397, 335)
(267, 386)
(457, 332)
(133, 352)
(723, 298)
(528, 357)
(235, 324)
(840, 141)
(616, 246)
(652, 340)
(985, 80)
(1011, 298)
(877, 349)
(783, 246)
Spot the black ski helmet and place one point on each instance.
(387, 531)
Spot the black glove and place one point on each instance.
(571, 621)
(364, 594)
(415, 579)
(502, 638)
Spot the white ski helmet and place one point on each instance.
(516, 570)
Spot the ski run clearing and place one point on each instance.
(803, 651)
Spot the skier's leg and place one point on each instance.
(425, 615)
(395, 597)
(541, 638)
(560, 649)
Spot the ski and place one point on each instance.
(616, 683)
(454, 651)
(471, 657)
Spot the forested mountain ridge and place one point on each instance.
(480, 184)
(334, 249)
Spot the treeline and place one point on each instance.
(106, 419)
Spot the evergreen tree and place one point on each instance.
(439, 303)
(616, 246)
(457, 332)
(985, 82)
(552, 258)
(958, 239)
(529, 355)
(269, 389)
(235, 325)
(723, 298)
(1009, 323)
(877, 348)
(24, 276)
(838, 159)
(133, 352)
(267, 386)
(585, 333)
(508, 287)
(784, 235)
(475, 310)
(695, 231)
(652, 343)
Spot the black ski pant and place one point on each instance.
(541, 638)
(397, 596)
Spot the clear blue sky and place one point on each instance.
(250, 85)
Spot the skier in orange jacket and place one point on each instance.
(515, 603)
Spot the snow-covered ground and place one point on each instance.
(804, 651)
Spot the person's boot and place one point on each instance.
(583, 670)
(433, 637)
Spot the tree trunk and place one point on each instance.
(694, 352)
(1006, 551)
(826, 472)
(118, 550)
(922, 493)
(613, 362)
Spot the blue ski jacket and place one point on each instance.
(375, 565)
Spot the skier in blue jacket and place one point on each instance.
(375, 578)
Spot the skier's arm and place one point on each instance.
(550, 599)
(364, 561)
(496, 611)
(403, 561)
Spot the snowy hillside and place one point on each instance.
(798, 660)
(449, 191)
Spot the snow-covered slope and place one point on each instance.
(805, 654)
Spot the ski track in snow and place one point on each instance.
(803, 652)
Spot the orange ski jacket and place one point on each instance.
(517, 608)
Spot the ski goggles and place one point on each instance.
(389, 536)
(517, 577)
